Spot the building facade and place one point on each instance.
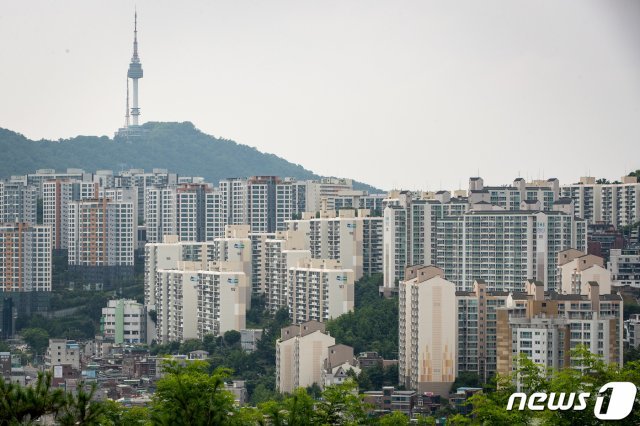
(319, 290)
(25, 257)
(428, 330)
(124, 321)
(624, 266)
(191, 302)
(301, 352)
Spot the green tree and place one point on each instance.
(262, 393)
(459, 419)
(341, 405)
(490, 407)
(425, 420)
(188, 394)
(190, 345)
(36, 338)
(298, 409)
(25, 405)
(373, 324)
(587, 374)
(231, 337)
(395, 418)
(466, 379)
(315, 391)
(81, 409)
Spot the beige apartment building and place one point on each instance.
(234, 249)
(352, 237)
(191, 302)
(301, 352)
(427, 330)
(167, 255)
(577, 269)
(546, 326)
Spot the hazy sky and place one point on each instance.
(412, 94)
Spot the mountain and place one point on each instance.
(179, 147)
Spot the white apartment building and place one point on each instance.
(621, 202)
(62, 352)
(124, 321)
(409, 231)
(104, 178)
(261, 208)
(259, 261)
(614, 203)
(167, 255)
(423, 218)
(25, 257)
(18, 202)
(505, 248)
(226, 205)
(577, 269)
(191, 302)
(624, 266)
(510, 197)
(281, 254)
(129, 194)
(428, 330)
(352, 237)
(587, 199)
(44, 175)
(191, 211)
(395, 246)
(632, 330)
(301, 352)
(319, 290)
(181, 210)
(160, 213)
(291, 201)
(327, 189)
(354, 199)
(102, 233)
(57, 196)
(141, 180)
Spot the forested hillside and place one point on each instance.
(179, 147)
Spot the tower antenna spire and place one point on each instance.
(132, 124)
(135, 72)
(135, 38)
